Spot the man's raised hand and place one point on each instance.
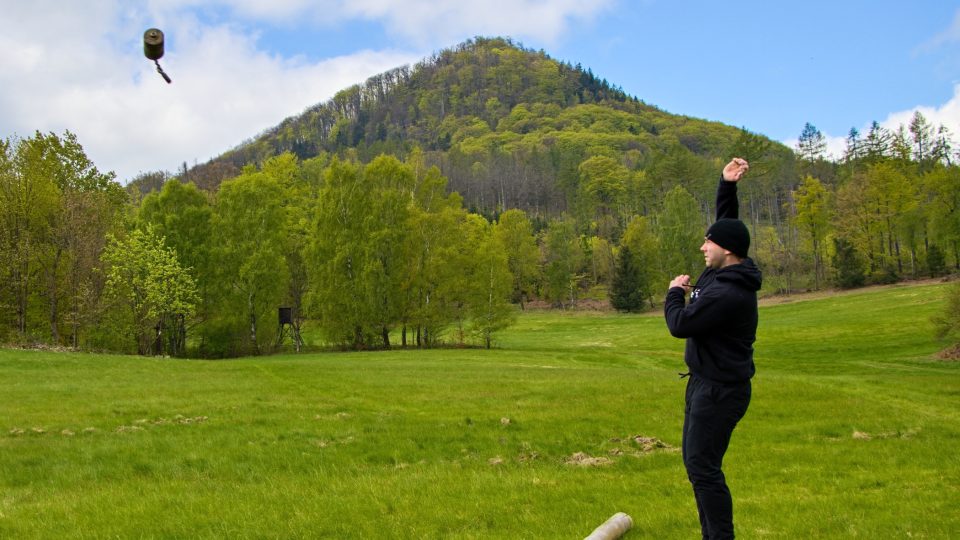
(735, 170)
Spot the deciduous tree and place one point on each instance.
(147, 293)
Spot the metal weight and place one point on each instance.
(153, 44)
(153, 49)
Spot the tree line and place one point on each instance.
(383, 253)
(367, 251)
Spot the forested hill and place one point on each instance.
(566, 189)
(508, 126)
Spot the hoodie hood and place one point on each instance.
(745, 274)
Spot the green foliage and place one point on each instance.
(390, 249)
(515, 234)
(947, 323)
(811, 145)
(147, 294)
(183, 216)
(627, 289)
(603, 181)
(600, 260)
(488, 281)
(942, 196)
(55, 210)
(251, 274)
(643, 245)
(813, 219)
(936, 262)
(562, 257)
(680, 232)
(848, 264)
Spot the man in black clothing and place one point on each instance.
(720, 325)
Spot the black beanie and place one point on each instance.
(730, 234)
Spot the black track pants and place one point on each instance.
(711, 413)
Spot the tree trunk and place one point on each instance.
(253, 324)
(53, 296)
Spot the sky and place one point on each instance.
(240, 67)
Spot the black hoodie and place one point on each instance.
(720, 322)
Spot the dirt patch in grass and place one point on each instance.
(864, 436)
(582, 459)
(950, 354)
(634, 445)
(650, 444)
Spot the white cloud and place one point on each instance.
(79, 66)
(947, 115)
(950, 35)
(82, 69)
(428, 23)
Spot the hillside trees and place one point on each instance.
(942, 204)
(680, 229)
(603, 181)
(515, 233)
(562, 260)
(812, 218)
(489, 299)
(639, 272)
(182, 215)
(626, 290)
(391, 249)
(56, 209)
(251, 271)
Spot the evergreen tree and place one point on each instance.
(876, 146)
(811, 145)
(854, 149)
(936, 262)
(848, 265)
(947, 323)
(922, 134)
(627, 290)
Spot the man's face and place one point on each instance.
(713, 255)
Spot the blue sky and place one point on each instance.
(242, 66)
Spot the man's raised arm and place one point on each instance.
(727, 204)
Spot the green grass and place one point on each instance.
(853, 432)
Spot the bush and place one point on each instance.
(884, 276)
(947, 324)
(936, 261)
(848, 264)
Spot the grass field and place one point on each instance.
(853, 432)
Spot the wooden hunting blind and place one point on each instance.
(287, 325)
